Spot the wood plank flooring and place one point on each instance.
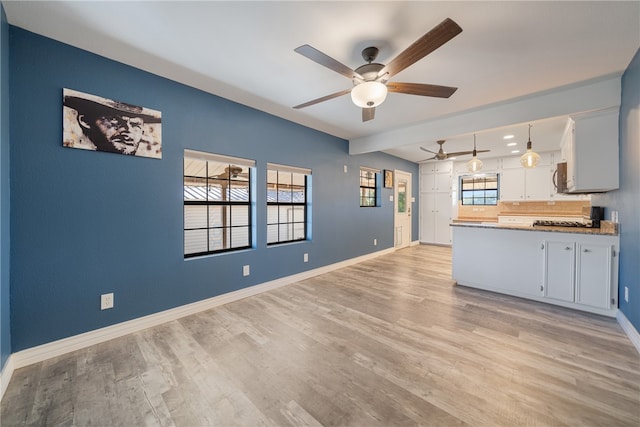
(387, 342)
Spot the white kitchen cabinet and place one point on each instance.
(590, 146)
(537, 183)
(512, 184)
(593, 275)
(436, 181)
(442, 182)
(435, 218)
(559, 270)
(441, 166)
(578, 272)
(537, 265)
(518, 183)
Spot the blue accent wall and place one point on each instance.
(85, 223)
(5, 313)
(626, 200)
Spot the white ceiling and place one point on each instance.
(244, 51)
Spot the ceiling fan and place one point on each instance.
(233, 172)
(443, 155)
(371, 80)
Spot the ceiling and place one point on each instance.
(244, 51)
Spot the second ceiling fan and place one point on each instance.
(443, 155)
(371, 80)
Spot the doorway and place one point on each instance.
(402, 209)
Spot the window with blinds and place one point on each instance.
(217, 203)
(287, 202)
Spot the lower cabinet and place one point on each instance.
(593, 276)
(578, 273)
(559, 270)
(578, 270)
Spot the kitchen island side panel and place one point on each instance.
(498, 260)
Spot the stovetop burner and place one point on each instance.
(553, 223)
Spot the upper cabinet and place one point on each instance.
(590, 148)
(518, 183)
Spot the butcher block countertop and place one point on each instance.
(607, 228)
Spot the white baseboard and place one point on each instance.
(628, 328)
(56, 348)
(5, 375)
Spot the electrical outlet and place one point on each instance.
(346, 169)
(626, 294)
(306, 257)
(106, 301)
(375, 242)
(246, 270)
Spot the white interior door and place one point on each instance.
(402, 206)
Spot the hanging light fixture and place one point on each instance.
(530, 158)
(475, 164)
(369, 94)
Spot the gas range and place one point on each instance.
(562, 223)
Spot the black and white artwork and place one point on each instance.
(94, 123)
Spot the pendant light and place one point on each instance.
(530, 158)
(475, 164)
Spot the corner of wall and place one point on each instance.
(5, 317)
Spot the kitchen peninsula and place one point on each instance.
(566, 266)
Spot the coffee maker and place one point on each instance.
(596, 215)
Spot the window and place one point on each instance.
(368, 187)
(479, 189)
(217, 203)
(287, 199)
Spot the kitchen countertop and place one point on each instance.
(606, 230)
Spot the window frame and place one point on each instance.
(477, 179)
(291, 204)
(228, 206)
(364, 189)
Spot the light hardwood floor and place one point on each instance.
(387, 342)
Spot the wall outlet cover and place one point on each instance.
(246, 270)
(106, 301)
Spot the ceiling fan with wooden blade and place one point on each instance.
(370, 81)
(443, 155)
(233, 172)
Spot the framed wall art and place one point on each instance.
(388, 178)
(94, 123)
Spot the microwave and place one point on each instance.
(560, 178)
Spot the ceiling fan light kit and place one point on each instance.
(529, 159)
(369, 94)
(370, 80)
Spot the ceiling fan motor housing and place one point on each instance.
(370, 53)
(369, 72)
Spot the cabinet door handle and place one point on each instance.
(568, 248)
(586, 250)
